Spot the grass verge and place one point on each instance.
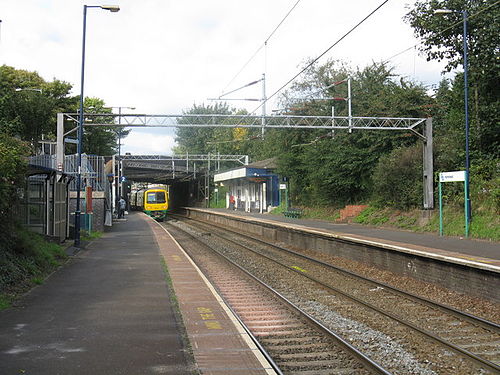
(90, 236)
(26, 259)
(485, 222)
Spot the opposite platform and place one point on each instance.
(476, 253)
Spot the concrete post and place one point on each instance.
(428, 177)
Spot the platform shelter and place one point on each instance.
(251, 188)
(45, 202)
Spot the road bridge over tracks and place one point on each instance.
(187, 175)
(171, 169)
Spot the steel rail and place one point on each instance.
(341, 341)
(481, 361)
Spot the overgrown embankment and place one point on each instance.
(25, 261)
(484, 225)
(485, 222)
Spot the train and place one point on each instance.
(153, 201)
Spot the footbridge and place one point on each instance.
(177, 168)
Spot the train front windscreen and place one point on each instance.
(156, 197)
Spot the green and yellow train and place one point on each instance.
(153, 201)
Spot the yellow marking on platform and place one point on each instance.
(176, 258)
(475, 259)
(299, 269)
(213, 324)
(207, 316)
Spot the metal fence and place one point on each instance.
(92, 169)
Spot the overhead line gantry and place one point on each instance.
(349, 123)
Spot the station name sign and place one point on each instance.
(452, 176)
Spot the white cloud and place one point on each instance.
(148, 143)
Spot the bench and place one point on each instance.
(294, 213)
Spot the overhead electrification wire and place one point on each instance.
(322, 54)
(242, 87)
(263, 45)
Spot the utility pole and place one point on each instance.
(264, 100)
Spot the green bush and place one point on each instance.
(13, 166)
(218, 199)
(397, 179)
(485, 184)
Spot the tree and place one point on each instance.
(101, 140)
(443, 39)
(335, 171)
(204, 140)
(28, 104)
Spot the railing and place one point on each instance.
(92, 169)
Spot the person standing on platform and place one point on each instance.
(121, 208)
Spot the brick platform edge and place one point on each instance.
(220, 344)
(349, 212)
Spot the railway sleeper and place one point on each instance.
(466, 334)
(292, 333)
(476, 342)
(308, 348)
(331, 366)
(328, 372)
(273, 325)
(299, 341)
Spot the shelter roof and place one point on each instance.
(34, 169)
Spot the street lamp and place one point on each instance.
(111, 8)
(466, 104)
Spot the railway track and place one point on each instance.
(473, 341)
(295, 341)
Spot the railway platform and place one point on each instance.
(462, 265)
(109, 311)
(468, 250)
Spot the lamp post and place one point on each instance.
(468, 214)
(111, 8)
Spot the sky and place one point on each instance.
(163, 56)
